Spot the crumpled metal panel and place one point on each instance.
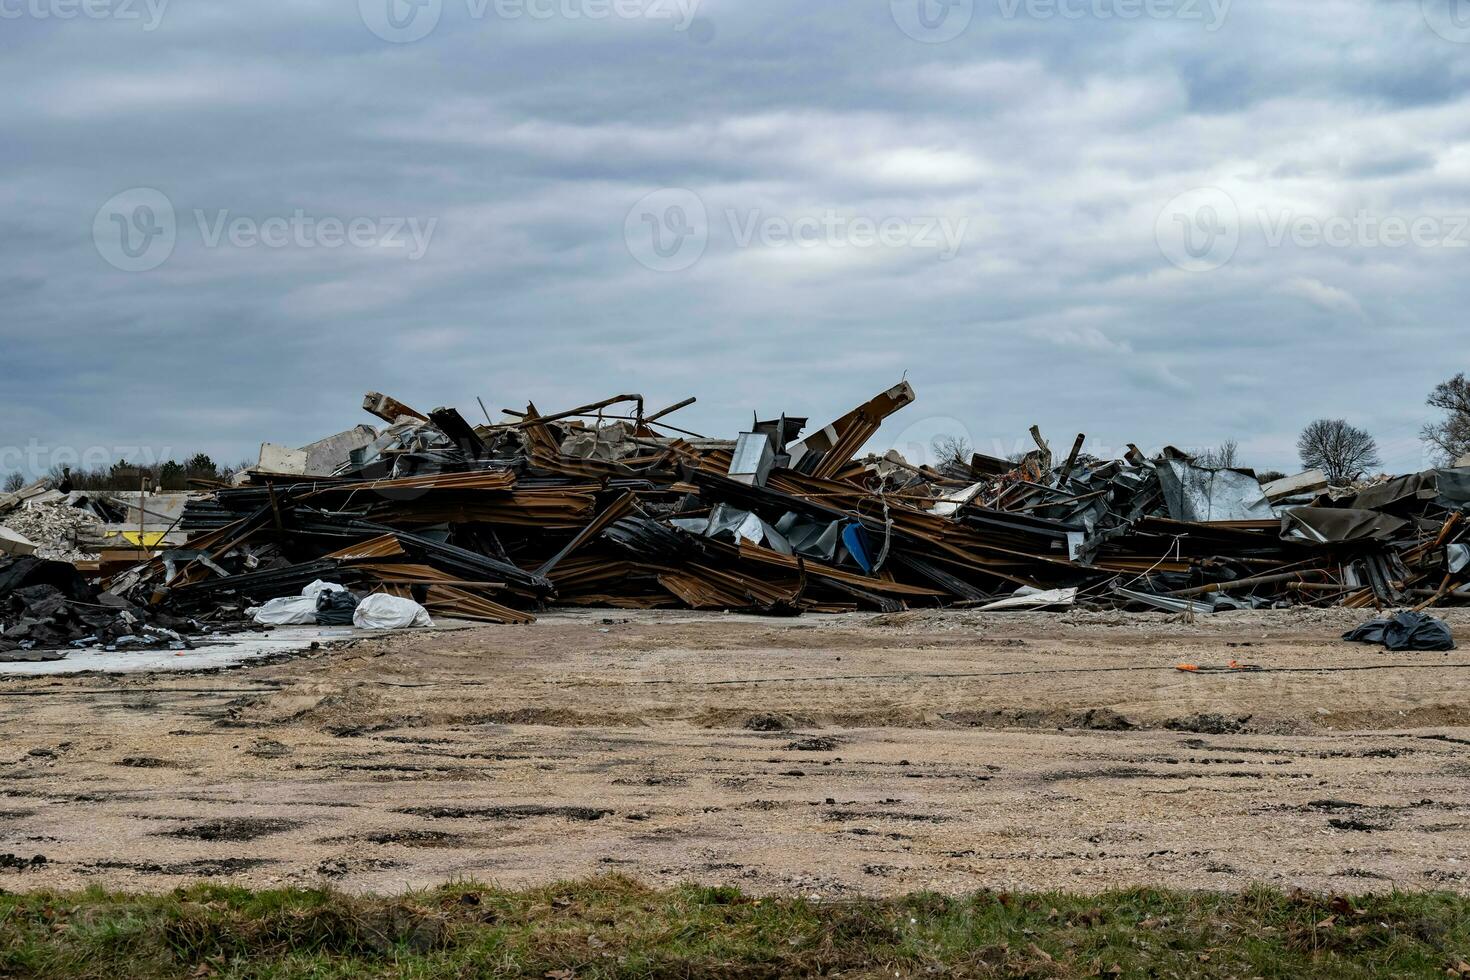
(1323, 525)
(1193, 493)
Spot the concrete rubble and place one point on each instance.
(56, 529)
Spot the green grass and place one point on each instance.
(612, 927)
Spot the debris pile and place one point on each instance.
(47, 605)
(607, 504)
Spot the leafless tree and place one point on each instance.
(951, 451)
(1451, 435)
(14, 482)
(1223, 457)
(1342, 451)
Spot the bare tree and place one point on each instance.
(1223, 457)
(1450, 435)
(14, 482)
(951, 451)
(1342, 451)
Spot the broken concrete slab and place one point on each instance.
(326, 456)
(15, 543)
(1312, 481)
(281, 460)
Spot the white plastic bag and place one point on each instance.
(318, 587)
(388, 612)
(291, 610)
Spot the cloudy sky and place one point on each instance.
(1156, 221)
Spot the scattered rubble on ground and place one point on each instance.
(47, 606)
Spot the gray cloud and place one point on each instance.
(1056, 142)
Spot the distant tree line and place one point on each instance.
(124, 475)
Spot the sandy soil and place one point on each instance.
(821, 755)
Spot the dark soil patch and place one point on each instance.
(1093, 719)
(817, 743)
(770, 721)
(652, 781)
(206, 868)
(268, 748)
(842, 816)
(231, 829)
(1209, 724)
(414, 838)
(515, 812)
(13, 862)
(1344, 824)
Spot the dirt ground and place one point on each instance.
(821, 755)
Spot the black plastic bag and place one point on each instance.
(335, 608)
(1406, 631)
